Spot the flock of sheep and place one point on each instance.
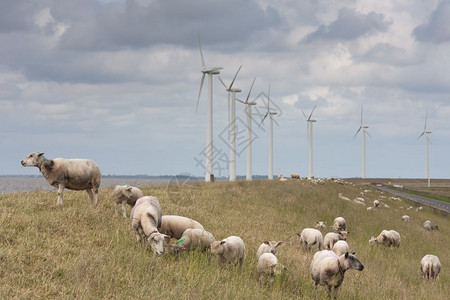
(329, 263)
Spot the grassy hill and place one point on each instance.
(75, 251)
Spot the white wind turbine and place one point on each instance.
(270, 114)
(232, 123)
(209, 112)
(309, 127)
(249, 133)
(364, 129)
(426, 132)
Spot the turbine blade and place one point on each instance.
(223, 83)
(357, 131)
(243, 102)
(200, 91)
(362, 114)
(273, 119)
(234, 78)
(304, 114)
(263, 119)
(426, 117)
(268, 99)
(251, 87)
(309, 118)
(368, 133)
(201, 52)
(421, 135)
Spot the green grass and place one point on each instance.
(75, 251)
(423, 194)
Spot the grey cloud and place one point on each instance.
(349, 25)
(437, 29)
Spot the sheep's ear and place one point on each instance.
(266, 242)
(346, 254)
(298, 234)
(348, 232)
(128, 188)
(353, 253)
(166, 237)
(222, 242)
(40, 153)
(279, 244)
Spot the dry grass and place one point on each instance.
(77, 252)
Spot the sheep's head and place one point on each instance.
(321, 224)
(273, 246)
(373, 241)
(35, 159)
(157, 241)
(127, 191)
(217, 247)
(343, 235)
(352, 262)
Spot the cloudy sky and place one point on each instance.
(117, 81)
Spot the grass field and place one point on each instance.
(75, 251)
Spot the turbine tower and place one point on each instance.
(248, 110)
(209, 112)
(270, 113)
(232, 123)
(364, 129)
(426, 132)
(309, 127)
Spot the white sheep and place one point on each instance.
(419, 208)
(370, 208)
(429, 226)
(405, 218)
(230, 250)
(268, 247)
(340, 247)
(388, 238)
(376, 203)
(174, 226)
(328, 269)
(146, 220)
(268, 267)
(321, 225)
(73, 174)
(331, 238)
(430, 266)
(343, 197)
(125, 194)
(310, 237)
(198, 239)
(339, 224)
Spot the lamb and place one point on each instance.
(268, 267)
(125, 194)
(339, 224)
(321, 225)
(199, 239)
(146, 218)
(429, 226)
(405, 218)
(74, 174)
(340, 247)
(230, 250)
(328, 269)
(174, 226)
(310, 237)
(430, 266)
(331, 238)
(268, 247)
(388, 238)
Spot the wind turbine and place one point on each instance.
(426, 132)
(364, 129)
(249, 133)
(232, 122)
(309, 127)
(209, 112)
(270, 114)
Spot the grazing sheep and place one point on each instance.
(310, 237)
(73, 174)
(146, 220)
(331, 238)
(295, 176)
(125, 194)
(339, 224)
(405, 218)
(268, 267)
(328, 269)
(198, 239)
(340, 247)
(409, 208)
(230, 250)
(430, 266)
(370, 208)
(429, 226)
(343, 197)
(376, 203)
(388, 238)
(419, 208)
(174, 226)
(268, 247)
(321, 225)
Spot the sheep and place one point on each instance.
(388, 238)
(268, 267)
(419, 208)
(268, 247)
(430, 266)
(73, 174)
(370, 208)
(310, 237)
(199, 239)
(376, 203)
(429, 226)
(174, 226)
(295, 176)
(230, 250)
(146, 220)
(331, 238)
(339, 224)
(340, 247)
(328, 269)
(321, 225)
(405, 218)
(125, 194)
(343, 197)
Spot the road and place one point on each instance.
(444, 206)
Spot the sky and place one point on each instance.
(117, 81)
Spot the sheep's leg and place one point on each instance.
(116, 209)
(124, 208)
(60, 194)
